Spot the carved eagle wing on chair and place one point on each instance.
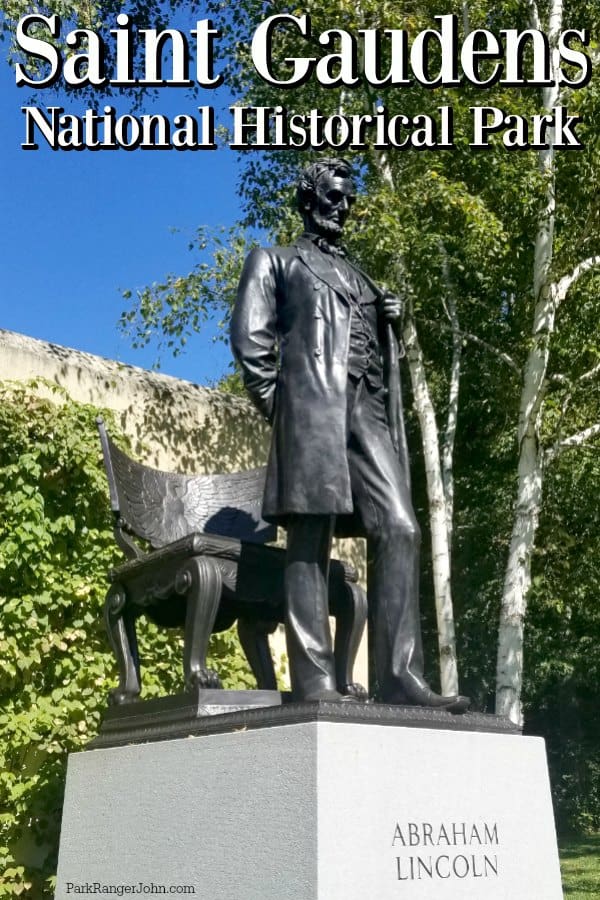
(161, 507)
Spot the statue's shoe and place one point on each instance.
(329, 695)
(419, 694)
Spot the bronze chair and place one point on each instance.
(197, 557)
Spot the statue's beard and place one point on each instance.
(331, 231)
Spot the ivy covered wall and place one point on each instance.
(56, 545)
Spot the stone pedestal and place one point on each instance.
(316, 809)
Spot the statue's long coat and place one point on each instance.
(290, 332)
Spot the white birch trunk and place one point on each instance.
(438, 514)
(517, 579)
(452, 415)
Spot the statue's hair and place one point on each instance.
(312, 174)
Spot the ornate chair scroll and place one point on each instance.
(197, 557)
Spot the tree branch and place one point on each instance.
(571, 382)
(564, 284)
(467, 336)
(575, 440)
(589, 374)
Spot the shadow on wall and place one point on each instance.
(171, 424)
(218, 434)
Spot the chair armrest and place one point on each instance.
(199, 544)
(194, 544)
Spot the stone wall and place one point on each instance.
(172, 424)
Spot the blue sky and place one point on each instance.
(77, 227)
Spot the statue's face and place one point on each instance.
(330, 206)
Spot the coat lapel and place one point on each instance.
(321, 267)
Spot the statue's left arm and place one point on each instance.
(254, 330)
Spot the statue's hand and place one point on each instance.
(392, 306)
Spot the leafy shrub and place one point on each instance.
(56, 545)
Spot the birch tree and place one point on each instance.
(550, 291)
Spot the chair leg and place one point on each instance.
(255, 644)
(120, 626)
(200, 581)
(349, 626)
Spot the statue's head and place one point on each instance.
(325, 193)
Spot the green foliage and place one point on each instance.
(562, 639)
(167, 313)
(56, 545)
